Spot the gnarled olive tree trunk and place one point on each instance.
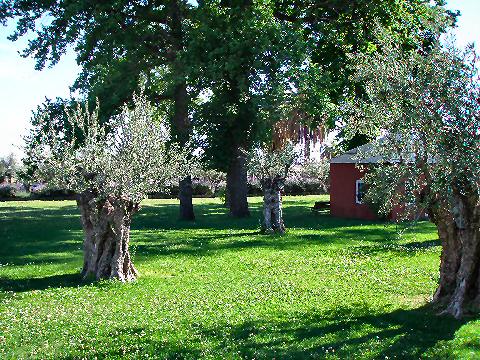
(106, 227)
(272, 205)
(450, 257)
(459, 233)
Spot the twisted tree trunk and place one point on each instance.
(272, 205)
(459, 233)
(106, 226)
(450, 257)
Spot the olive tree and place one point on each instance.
(426, 106)
(8, 168)
(111, 167)
(271, 168)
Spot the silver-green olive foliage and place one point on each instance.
(130, 160)
(266, 164)
(426, 105)
(424, 108)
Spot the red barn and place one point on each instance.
(347, 187)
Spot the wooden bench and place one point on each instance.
(321, 205)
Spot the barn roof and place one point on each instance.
(352, 156)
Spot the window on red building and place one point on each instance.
(359, 191)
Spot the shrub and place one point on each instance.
(52, 193)
(311, 177)
(7, 191)
(209, 183)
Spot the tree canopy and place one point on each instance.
(121, 46)
(246, 63)
(242, 62)
(129, 161)
(115, 42)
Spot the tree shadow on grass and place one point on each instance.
(53, 235)
(36, 235)
(244, 232)
(405, 334)
(215, 216)
(42, 283)
(195, 248)
(418, 245)
(341, 334)
(197, 244)
(212, 216)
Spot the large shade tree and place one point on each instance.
(111, 171)
(426, 104)
(118, 43)
(252, 56)
(241, 60)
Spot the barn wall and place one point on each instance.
(342, 193)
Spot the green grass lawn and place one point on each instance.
(216, 288)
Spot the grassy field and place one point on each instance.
(216, 288)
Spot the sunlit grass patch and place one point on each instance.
(217, 288)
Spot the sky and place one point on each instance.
(22, 88)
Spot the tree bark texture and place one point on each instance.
(237, 188)
(272, 206)
(106, 226)
(459, 233)
(226, 201)
(185, 195)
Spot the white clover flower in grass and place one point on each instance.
(112, 172)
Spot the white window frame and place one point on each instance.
(357, 185)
